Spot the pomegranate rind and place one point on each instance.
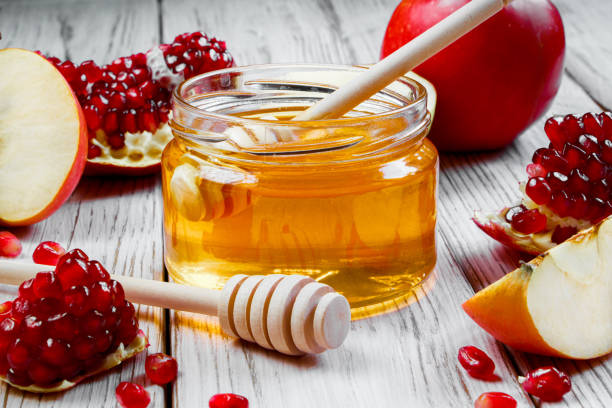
(122, 353)
(496, 226)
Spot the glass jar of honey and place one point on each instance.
(350, 202)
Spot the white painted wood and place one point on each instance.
(115, 221)
(589, 46)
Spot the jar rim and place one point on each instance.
(420, 97)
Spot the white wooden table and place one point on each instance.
(404, 358)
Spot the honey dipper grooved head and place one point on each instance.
(290, 314)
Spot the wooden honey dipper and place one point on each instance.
(292, 314)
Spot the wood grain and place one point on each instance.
(589, 46)
(117, 221)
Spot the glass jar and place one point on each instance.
(350, 202)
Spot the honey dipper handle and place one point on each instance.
(143, 291)
(403, 59)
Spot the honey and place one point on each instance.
(350, 202)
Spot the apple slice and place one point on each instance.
(559, 304)
(43, 138)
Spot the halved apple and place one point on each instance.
(43, 138)
(559, 304)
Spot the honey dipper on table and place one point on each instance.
(290, 314)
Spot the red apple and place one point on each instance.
(496, 80)
(43, 138)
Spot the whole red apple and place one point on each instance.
(493, 82)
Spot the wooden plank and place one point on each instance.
(117, 221)
(589, 46)
(403, 358)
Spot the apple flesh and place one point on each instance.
(559, 304)
(493, 82)
(43, 138)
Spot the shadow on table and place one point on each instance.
(93, 188)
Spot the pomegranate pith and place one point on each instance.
(161, 368)
(228, 401)
(130, 395)
(10, 246)
(55, 330)
(547, 383)
(132, 94)
(476, 362)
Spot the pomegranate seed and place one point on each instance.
(5, 308)
(605, 118)
(118, 293)
(575, 156)
(148, 119)
(71, 272)
(63, 327)
(116, 66)
(598, 209)
(42, 374)
(92, 323)
(139, 59)
(21, 307)
(26, 289)
(91, 71)
(476, 362)
(130, 395)
(571, 128)
(111, 121)
(595, 168)
(161, 368)
(578, 205)
(127, 331)
(591, 125)
(8, 330)
(83, 348)
(68, 70)
(147, 89)
(31, 330)
(101, 296)
(536, 170)
(588, 143)
(228, 401)
(538, 190)
(141, 74)
(547, 383)
(18, 377)
(601, 190)
(578, 182)
(529, 222)
(47, 286)
(513, 211)
(97, 272)
(606, 151)
(103, 341)
(550, 160)
(556, 181)
(55, 352)
(495, 400)
(18, 355)
(76, 300)
(46, 307)
(116, 100)
(9, 245)
(48, 253)
(70, 370)
(116, 141)
(93, 151)
(560, 203)
(129, 121)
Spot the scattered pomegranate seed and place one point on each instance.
(495, 400)
(547, 383)
(48, 253)
(476, 362)
(130, 395)
(161, 368)
(514, 211)
(529, 222)
(228, 401)
(9, 245)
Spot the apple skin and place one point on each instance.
(77, 168)
(493, 82)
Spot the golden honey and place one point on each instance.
(350, 202)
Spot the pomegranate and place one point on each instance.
(130, 395)
(66, 325)
(10, 246)
(161, 368)
(476, 362)
(569, 186)
(127, 103)
(477, 77)
(547, 383)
